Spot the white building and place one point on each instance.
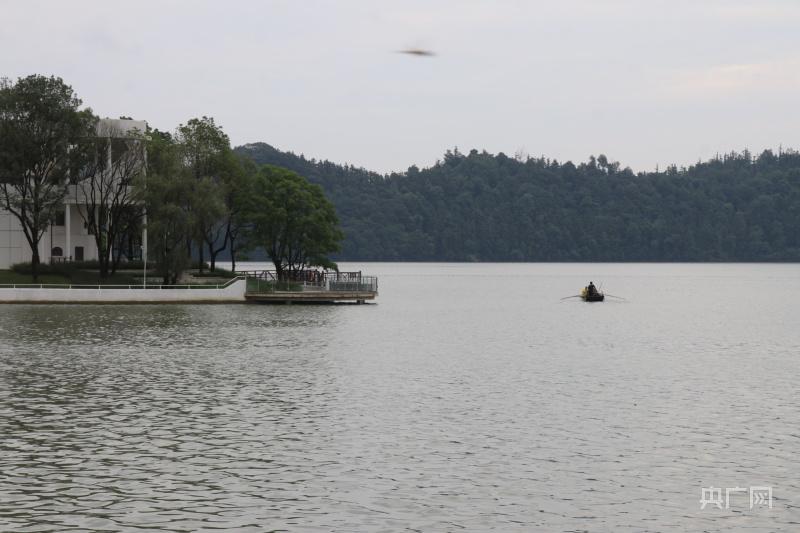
(67, 239)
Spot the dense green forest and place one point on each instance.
(485, 207)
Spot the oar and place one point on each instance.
(620, 297)
(576, 296)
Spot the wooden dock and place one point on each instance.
(311, 297)
(310, 287)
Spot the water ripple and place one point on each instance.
(448, 406)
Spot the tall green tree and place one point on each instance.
(41, 129)
(231, 185)
(166, 192)
(293, 221)
(206, 153)
(168, 225)
(239, 226)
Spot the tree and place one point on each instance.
(111, 208)
(239, 227)
(206, 153)
(41, 129)
(231, 185)
(293, 221)
(205, 202)
(168, 225)
(165, 192)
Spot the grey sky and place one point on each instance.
(643, 81)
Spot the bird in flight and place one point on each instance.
(419, 52)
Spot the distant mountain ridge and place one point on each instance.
(485, 207)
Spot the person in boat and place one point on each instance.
(591, 290)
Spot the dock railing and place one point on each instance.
(267, 281)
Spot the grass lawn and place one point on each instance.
(77, 277)
(8, 277)
(92, 277)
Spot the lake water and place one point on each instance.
(469, 398)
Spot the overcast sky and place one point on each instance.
(645, 82)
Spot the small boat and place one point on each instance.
(596, 297)
(591, 294)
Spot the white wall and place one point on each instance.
(13, 246)
(79, 236)
(232, 293)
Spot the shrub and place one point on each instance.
(218, 273)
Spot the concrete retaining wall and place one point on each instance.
(232, 293)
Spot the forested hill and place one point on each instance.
(484, 207)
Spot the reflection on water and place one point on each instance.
(470, 397)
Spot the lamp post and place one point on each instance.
(144, 254)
